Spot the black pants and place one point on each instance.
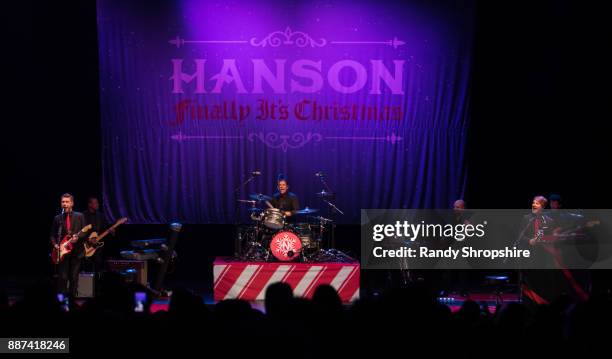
(95, 263)
(68, 274)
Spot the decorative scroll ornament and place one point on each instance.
(285, 142)
(288, 37)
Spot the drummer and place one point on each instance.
(284, 200)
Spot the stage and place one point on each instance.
(249, 280)
(295, 178)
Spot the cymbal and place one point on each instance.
(260, 197)
(306, 211)
(249, 201)
(324, 194)
(322, 219)
(255, 209)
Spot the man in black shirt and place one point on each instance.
(99, 224)
(539, 286)
(94, 216)
(284, 200)
(537, 223)
(68, 223)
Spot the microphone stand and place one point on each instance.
(333, 207)
(58, 241)
(322, 178)
(520, 270)
(237, 240)
(332, 211)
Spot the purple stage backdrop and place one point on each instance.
(197, 94)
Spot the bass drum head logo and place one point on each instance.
(285, 246)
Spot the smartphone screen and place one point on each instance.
(64, 302)
(140, 299)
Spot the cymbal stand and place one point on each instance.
(237, 244)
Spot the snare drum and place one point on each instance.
(273, 218)
(285, 246)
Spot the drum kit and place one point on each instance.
(271, 234)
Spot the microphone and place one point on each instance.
(256, 173)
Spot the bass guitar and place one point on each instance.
(95, 241)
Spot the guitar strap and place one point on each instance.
(569, 277)
(533, 295)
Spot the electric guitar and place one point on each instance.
(95, 241)
(66, 245)
(559, 236)
(548, 242)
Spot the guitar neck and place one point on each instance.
(85, 229)
(105, 233)
(75, 234)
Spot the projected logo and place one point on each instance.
(325, 92)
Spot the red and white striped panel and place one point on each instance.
(249, 280)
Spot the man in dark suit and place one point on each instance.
(537, 223)
(69, 223)
(539, 286)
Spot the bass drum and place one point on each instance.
(285, 246)
(304, 232)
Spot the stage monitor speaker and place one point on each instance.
(131, 270)
(87, 285)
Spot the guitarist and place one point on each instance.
(96, 218)
(539, 286)
(66, 224)
(545, 285)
